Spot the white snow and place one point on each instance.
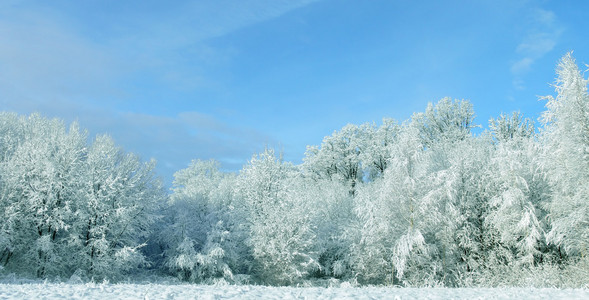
(186, 291)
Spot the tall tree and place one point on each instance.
(393, 214)
(40, 190)
(566, 138)
(280, 233)
(520, 192)
(120, 198)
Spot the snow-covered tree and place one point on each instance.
(40, 183)
(68, 206)
(204, 234)
(332, 210)
(376, 152)
(12, 131)
(520, 192)
(507, 128)
(392, 214)
(338, 158)
(120, 196)
(566, 142)
(280, 238)
(447, 120)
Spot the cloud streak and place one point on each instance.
(203, 20)
(45, 53)
(40, 58)
(540, 40)
(52, 65)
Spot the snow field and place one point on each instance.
(161, 291)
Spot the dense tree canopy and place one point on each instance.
(66, 205)
(422, 202)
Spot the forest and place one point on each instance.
(424, 202)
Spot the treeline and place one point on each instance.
(421, 203)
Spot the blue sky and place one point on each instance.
(181, 80)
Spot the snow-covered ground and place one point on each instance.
(185, 291)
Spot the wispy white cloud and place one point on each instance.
(49, 65)
(41, 59)
(533, 47)
(522, 65)
(189, 27)
(538, 44)
(41, 49)
(203, 20)
(43, 52)
(541, 38)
